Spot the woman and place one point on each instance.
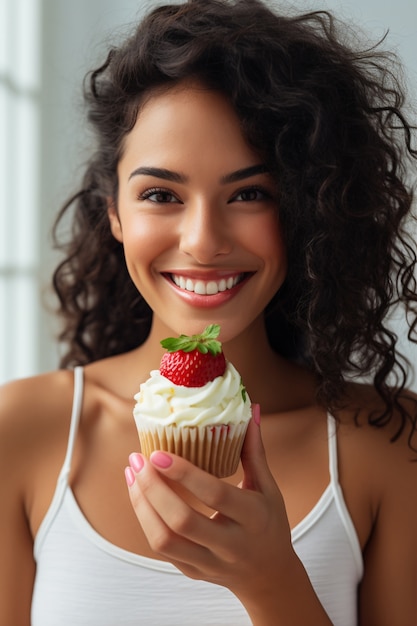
(233, 144)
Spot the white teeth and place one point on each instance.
(199, 287)
(209, 288)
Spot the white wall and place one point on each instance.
(76, 34)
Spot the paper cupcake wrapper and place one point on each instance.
(215, 449)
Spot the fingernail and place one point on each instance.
(256, 414)
(160, 459)
(130, 476)
(136, 462)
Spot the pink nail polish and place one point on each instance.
(130, 476)
(256, 413)
(136, 462)
(161, 460)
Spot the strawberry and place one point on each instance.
(193, 361)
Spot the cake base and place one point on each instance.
(215, 449)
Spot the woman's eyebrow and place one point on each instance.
(178, 177)
(244, 173)
(160, 172)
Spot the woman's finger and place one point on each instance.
(215, 494)
(158, 514)
(167, 515)
(257, 475)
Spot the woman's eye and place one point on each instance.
(159, 196)
(252, 194)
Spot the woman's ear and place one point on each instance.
(115, 226)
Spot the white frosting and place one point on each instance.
(220, 401)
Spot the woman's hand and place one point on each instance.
(235, 536)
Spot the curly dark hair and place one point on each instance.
(328, 118)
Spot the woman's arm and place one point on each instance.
(388, 593)
(17, 568)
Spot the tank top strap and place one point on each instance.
(75, 419)
(332, 447)
(339, 497)
(62, 482)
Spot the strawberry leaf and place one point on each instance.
(205, 342)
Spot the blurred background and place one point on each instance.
(46, 48)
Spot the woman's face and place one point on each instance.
(197, 215)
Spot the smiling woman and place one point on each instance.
(213, 225)
(248, 173)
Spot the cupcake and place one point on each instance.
(195, 405)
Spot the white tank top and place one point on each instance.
(84, 580)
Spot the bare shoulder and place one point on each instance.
(385, 455)
(395, 437)
(34, 418)
(376, 464)
(29, 404)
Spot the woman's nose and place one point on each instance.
(204, 233)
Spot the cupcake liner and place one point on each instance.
(215, 449)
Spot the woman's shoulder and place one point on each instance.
(34, 414)
(375, 463)
(45, 401)
(366, 414)
(383, 454)
(375, 435)
(24, 401)
(34, 425)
